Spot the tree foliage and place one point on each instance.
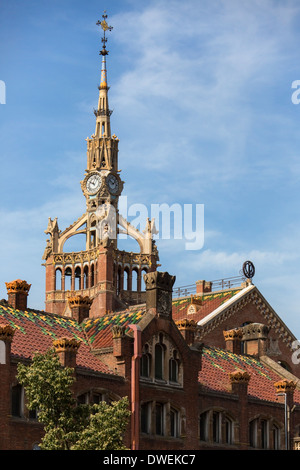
(67, 425)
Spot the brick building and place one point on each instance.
(212, 370)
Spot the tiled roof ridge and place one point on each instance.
(218, 366)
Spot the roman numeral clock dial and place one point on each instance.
(93, 183)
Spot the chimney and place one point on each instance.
(203, 286)
(233, 340)
(255, 339)
(80, 307)
(239, 380)
(17, 294)
(159, 288)
(66, 349)
(187, 328)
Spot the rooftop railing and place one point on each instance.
(217, 284)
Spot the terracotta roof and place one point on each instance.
(99, 330)
(35, 331)
(217, 364)
(208, 303)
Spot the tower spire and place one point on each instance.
(103, 112)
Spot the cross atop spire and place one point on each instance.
(103, 112)
(105, 28)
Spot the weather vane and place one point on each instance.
(105, 28)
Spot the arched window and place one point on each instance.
(92, 275)
(77, 278)
(2, 352)
(17, 401)
(68, 279)
(174, 423)
(216, 427)
(58, 279)
(264, 434)
(144, 271)
(159, 361)
(134, 280)
(145, 364)
(119, 280)
(159, 419)
(275, 437)
(86, 277)
(93, 235)
(145, 417)
(173, 368)
(126, 279)
(203, 424)
(253, 433)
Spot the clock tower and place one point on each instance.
(101, 276)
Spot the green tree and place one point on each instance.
(69, 426)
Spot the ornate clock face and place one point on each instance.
(112, 183)
(93, 183)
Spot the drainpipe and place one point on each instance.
(135, 389)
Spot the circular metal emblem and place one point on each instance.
(248, 269)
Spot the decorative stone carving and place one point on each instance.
(79, 301)
(17, 286)
(255, 331)
(159, 280)
(6, 333)
(66, 344)
(284, 386)
(186, 324)
(118, 331)
(159, 286)
(239, 377)
(233, 334)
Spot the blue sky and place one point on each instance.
(201, 93)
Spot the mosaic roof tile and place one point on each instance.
(99, 330)
(209, 302)
(217, 364)
(36, 330)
